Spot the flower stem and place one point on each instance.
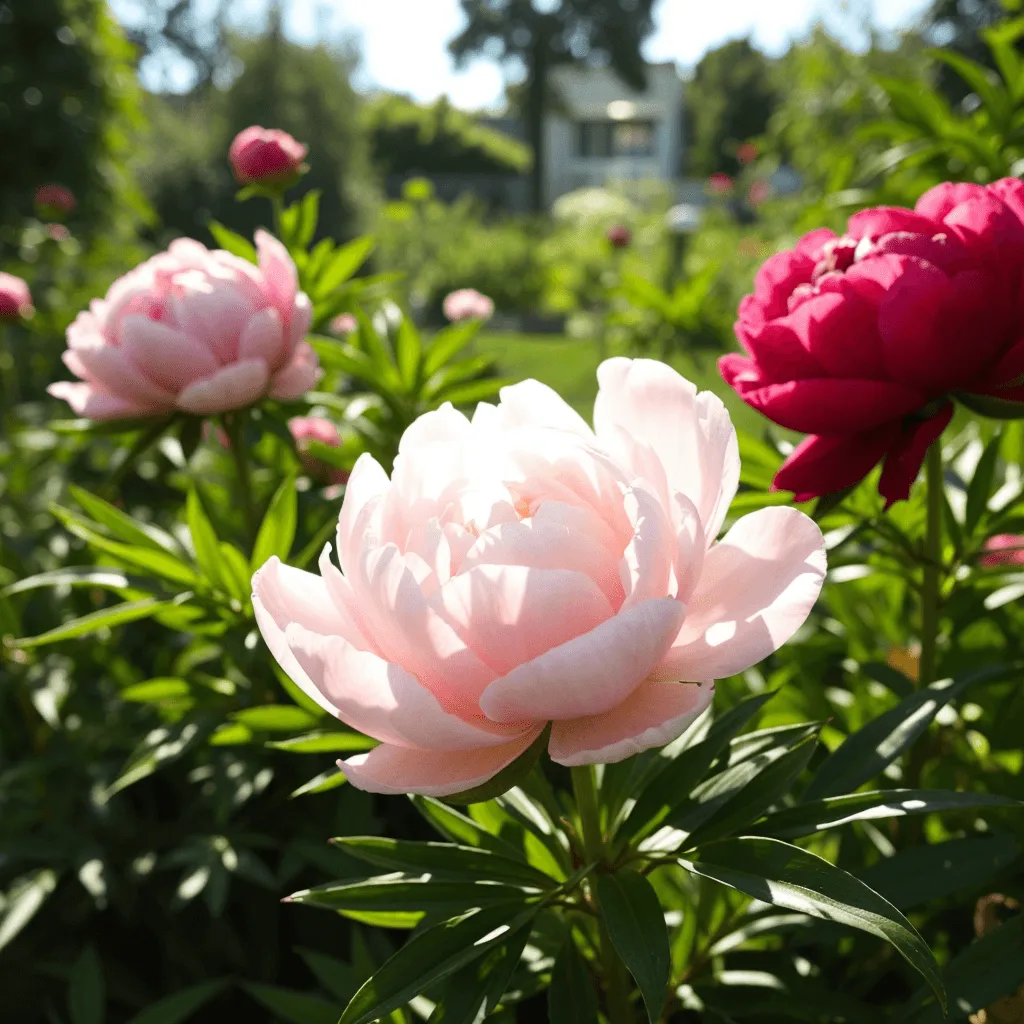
(277, 204)
(234, 427)
(932, 565)
(584, 784)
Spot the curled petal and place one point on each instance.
(826, 464)
(903, 461)
(298, 376)
(231, 387)
(169, 358)
(87, 401)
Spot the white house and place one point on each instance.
(604, 130)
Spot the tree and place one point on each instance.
(541, 34)
(729, 101)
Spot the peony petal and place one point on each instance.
(654, 714)
(280, 277)
(217, 315)
(231, 387)
(298, 376)
(262, 337)
(394, 770)
(87, 401)
(509, 614)
(647, 562)
(690, 547)
(532, 404)
(300, 321)
(757, 587)
(366, 483)
(903, 461)
(833, 406)
(169, 358)
(379, 699)
(883, 220)
(591, 674)
(823, 465)
(445, 425)
(692, 435)
(111, 368)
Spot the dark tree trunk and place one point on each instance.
(536, 106)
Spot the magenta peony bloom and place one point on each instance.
(344, 324)
(315, 428)
(54, 201)
(619, 236)
(266, 156)
(1003, 549)
(468, 304)
(15, 298)
(192, 330)
(860, 340)
(520, 568)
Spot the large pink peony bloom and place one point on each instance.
(192, 330)
(266, 155)
(467, 304)
(15, 298)
(858, 340)
(520, 568)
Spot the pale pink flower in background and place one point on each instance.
(344, 324)
(195, 331)
(467, 304)
(266, 155)
(1003, 549)
(15, 298)
(520, 568)
(315, 428)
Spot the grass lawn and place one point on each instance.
(570, 367)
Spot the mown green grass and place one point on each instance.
(570, 367)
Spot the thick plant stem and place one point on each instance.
(932, 566)
(234, 427)
(616, 980)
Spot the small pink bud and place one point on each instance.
(344, 324)
(760, 191)
(468, 304)
(266, 156)
(15, 298)
(619, 236)
(315, 428)
(54, 202)
(720, 184)
(747, 153)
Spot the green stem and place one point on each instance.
(277, 205)
(234, 427)
(617, 988)
(142, 444)
(931, 580)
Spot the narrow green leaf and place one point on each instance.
(334, 742)
(433, 955)
(865, 753)
(831, 812)
(234, 570)
(408, 350)
(338, 977)
(475, 991)
(87, 995)
(774, 872)
(22, 900)
(636, 923)
(330, 779)
(156, 691)
(474, 391)
(309, 212)
(572, 998)
(509, 776)
(294, 1007)
(277, 531)
(274, 718)
(231, 242)
(459, 828)
(79, 576)
(442, 859)
(980, 487)
(180, 1006)
(447, 344)
(159, 748)
(342, 265)
(204, 538)
(105, 618)
(122, 525)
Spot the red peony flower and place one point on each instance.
(861, 341)
(266, 156)
(619, 236)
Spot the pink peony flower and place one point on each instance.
(747, 152)
(520, 568)
(720, 184)
(192, 330)
(266, 155)
(344, 324)
(54, 201)
(619, 236)
(468, 304)
(315, 428)
(759, 192)
(859, 340)
(15, 298)
(1003, 549)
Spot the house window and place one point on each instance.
(615, 138)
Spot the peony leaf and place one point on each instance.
(277, 531)
(571, 995)
(993, 408)
(180, 1006)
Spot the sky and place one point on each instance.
(404, 42)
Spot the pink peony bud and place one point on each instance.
(747, 153)
(194, 331)
(315, 428)
(619, 236)
(720, 184)
(1004, 549)
(15, 298)
(266, 156)
(54, 202)
(759, 192)
(468, 304)
(344, 324)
